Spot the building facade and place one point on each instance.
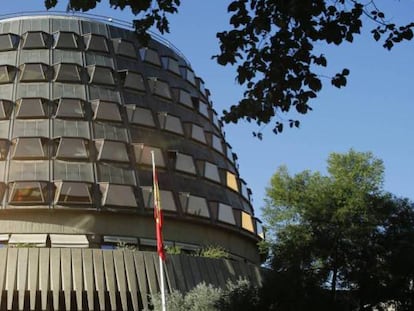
(82, 105)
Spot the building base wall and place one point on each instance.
(95, 279)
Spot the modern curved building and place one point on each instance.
(82, 105)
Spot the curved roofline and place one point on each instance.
(107, 20)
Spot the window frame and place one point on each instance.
(42, 104)
(13, 44)
(62, 101)
(43, 189)
(97, 74)
(88, 40)
(57, 37)
(9, 73)
(78, 70)
(44, 74)
(43, 146)
(60, 184)
(59, 145)
(44, 37)
(105, 189)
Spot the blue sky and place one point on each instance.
(374, 112)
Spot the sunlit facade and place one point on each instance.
(82, 105)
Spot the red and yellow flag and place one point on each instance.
(158, 217)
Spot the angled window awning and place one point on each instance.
(69, 240)
(38, 240)
(4, 238)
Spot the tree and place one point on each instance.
(338, 233)
(272, 42)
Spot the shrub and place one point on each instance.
(201, 298)
(239, 296)
(214, 252)
(173, 250)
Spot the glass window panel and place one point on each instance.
(171, 64)
(170, 123)
(124, 48)
(143, 155)
(104, 110)
(71, 128)
(245, 190)
(166, 199)
(117, 195)
(7, 73)
(70, 108)
(216, 143)
(101, 75)
(203, 108)
(76, 148)
(29, 192)
(33, 56)
(225, 214)
(35, 40)
(231, 181)
(67, 73)
(74, 171)
(31, 128)
(65, 40)
(99, 59)
(188, 74)
(33, 72)
(195, 205)
(132, 80)
(68, 90)
(111, 132)
(8, 41)
(5, 109)
(96, 43)
(8, 58)
(185, 163)
(30, 148)
(202, 87)
(73, 193)
(211, 171)
(247, 222)
(4, 149)
(229, 153)
(29, 170)
(31, 108)
(2, 178)
(115, 174)
(150, 56)
(66, 56)
(158, 87)
(190, 77)
(216, 120)
(4, 129)
(259, 229)
(103, 94)
(139, 115)
(184, 98)
(197, 133)
(111, 150)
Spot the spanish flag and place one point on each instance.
(158, 216)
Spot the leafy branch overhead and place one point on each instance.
(272, 43)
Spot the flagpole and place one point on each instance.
(163, 304)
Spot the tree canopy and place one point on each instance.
(339, 239)
(272, 42)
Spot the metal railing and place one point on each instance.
(99, 18)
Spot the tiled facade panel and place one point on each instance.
(82, 104)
